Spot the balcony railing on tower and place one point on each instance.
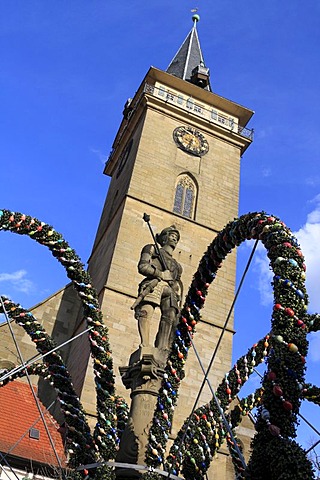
(187, 104)
(190, 104)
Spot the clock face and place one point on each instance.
(191, 140)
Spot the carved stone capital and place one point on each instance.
(145, 370)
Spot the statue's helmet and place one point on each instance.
(162, 237)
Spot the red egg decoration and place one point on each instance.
(277, 391)
(287, 405)
(274, 430)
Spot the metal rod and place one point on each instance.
(35, 358)
(31, 388)
(3, 457)
(130, 466)
(146, 218)
(220, 338)
(225, 422)
(26, 432)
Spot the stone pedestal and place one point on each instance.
(143, 376)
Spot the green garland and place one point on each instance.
(311, 393)
(79, 442)
(204, 431)
(275, 453)
(287, 348)
(106, 439)
(313, 321)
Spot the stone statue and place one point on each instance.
(161, 287)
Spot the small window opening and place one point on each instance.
(34, 433)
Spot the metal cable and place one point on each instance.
(10, 468)
(225, 324)
(35, 358)
(4, 456)
(225, 422)
(205, 379)
(32, 390)
(313, 446)
(24, 365)
(26, 432)
(131, 466)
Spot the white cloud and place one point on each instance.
(313, 181)
(313, 217)
(266, 172)
(314, 347)
(12, 277)
(261, 265)
(101, 156)
(265, 132)
(309, 239)
(18, 281)
(262, 273)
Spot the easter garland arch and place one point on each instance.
(285, 349)
(105, 440)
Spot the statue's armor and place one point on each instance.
(150, 266)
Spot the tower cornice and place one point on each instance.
(244, 114)
(149, 92)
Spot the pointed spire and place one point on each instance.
(188, 63)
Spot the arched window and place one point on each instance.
(185, 196)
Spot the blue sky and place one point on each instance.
(67, 69)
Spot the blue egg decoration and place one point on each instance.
(293, 262)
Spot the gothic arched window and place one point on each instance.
(185, 196)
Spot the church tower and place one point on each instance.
(176, 156)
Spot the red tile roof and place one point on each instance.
(19, 413)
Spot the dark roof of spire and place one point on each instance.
(189, 55)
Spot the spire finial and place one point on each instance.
(188, 63)
(195, 17)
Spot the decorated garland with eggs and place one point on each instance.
(82, 446)
(275, 454)
(79, 442)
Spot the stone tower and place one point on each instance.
(176, 156)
